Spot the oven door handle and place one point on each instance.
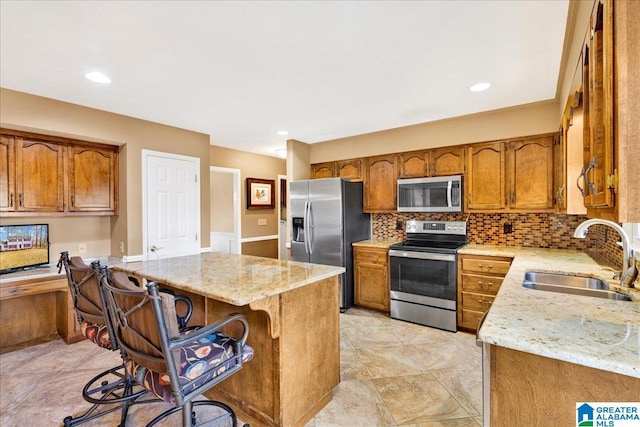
(422, 255)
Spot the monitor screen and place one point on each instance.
(23, 246)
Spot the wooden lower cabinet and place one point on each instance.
(479, 279)
(530, 390)
(371, 278)
(33, 309)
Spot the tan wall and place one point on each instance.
(252, 166)
(499, 124)
(43, 115)
(221, 185)
(265, 248)
(65, 233)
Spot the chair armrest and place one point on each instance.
(211, 328)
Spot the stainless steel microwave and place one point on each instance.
(437, 194)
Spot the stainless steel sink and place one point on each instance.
(571, 284)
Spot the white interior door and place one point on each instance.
(172, 205)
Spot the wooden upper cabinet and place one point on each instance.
(485, 183)
(323, 170)
(46, 175)
(530, 173)
(39, 176)
(351, 169)
(435, 162)
(447, 161)
(599, 164)
(413, 164)
(7, 173)
(92, 179)
(380, 183)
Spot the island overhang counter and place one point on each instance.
(293, 312)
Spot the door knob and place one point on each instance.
(155, 248)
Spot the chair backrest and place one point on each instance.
(143, 319)
(84, 286)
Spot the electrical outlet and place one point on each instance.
(82, 248)
(398, 225)
(262, 221)
(121, 247)
(508, 227)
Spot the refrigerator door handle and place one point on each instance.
(309, 228)
(305, 229)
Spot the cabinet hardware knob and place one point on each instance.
(485, 283)
(73, 201)
(583, 191)
(11, 200)
(20, 199)
(591, 185)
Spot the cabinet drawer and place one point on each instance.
(479, 283)
(469, 319)
(477, 302)
(486, 265)
(378, 257)
(14, 291)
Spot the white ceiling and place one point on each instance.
(242, 70)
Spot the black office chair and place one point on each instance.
(112, 389)
(176, 364)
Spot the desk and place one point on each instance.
(293, 314)
(35, 304)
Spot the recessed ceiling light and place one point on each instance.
(479, 87)
(283, 132)
(97, 77)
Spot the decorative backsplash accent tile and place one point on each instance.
(533, 230)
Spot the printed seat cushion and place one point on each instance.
(97, 334)
(201, 359)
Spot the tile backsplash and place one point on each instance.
(538, 230)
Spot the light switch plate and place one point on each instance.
(262, 221)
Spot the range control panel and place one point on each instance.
(437, 227)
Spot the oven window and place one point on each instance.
(436, 279)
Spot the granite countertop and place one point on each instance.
(231, 278)
(595, 332)
(377, 243)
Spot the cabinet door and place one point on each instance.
(447, 161)
(351, 169)
(599, 139)
(413, 165)
(380, 184)
(39, 176)
(560, 168)
(530, 172)
(92, 179)
(7, 173)
(371, 286)
(323, 170)
(485, 185)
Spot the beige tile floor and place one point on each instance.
(393, 373)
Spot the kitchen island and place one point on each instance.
(545, 351)
(293, 313)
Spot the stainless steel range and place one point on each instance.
(424, 273)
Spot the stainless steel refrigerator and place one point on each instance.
(327, 217)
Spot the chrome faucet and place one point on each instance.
(629, 271)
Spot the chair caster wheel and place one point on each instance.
(67, 420)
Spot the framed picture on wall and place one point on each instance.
(260, 193)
